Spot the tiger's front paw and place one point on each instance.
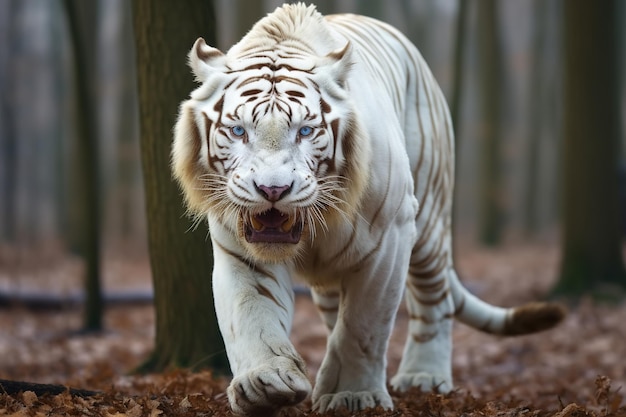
(423, 380)
(269, 387)
(353, 401)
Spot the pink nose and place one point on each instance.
(273, 193)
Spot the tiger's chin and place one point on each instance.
(273, 252)
(272, 236)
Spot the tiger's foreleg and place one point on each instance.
(254, 307)
(353, 372)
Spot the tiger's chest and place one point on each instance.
(353, 246)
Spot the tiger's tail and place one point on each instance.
(528, 318)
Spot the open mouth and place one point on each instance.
(272, 226)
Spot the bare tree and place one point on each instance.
(248, 12)
(372, 8)
(82, 20)
(536, 112)
(491, 80)
(8, 141)
(592, 240)
(459, 67)
(180, 255)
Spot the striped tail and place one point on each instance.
(528, 318)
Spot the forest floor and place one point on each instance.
(577, 369)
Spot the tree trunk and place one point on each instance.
(82, 19)
(371, 8)
(180, 254)
(247, 14)
(491, 198)
(592, 245)
(325, 7)
(536, 111)
(457, 96)
(459, 67)
(127, 146)
(8, 141)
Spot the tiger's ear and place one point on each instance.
(204, 60)
(338, 63)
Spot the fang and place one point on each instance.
(288, 225)
(257, 225)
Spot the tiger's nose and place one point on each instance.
(273, 193)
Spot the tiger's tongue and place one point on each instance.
(272, 218)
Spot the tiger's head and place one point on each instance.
(270, 145)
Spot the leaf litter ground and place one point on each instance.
(578, 369)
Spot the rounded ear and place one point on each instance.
(338, 63)
(204, 60)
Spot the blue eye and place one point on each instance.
(305, 131)
(238, 131)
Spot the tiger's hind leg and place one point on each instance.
(327, 303)
(427, 358)
(353, 372)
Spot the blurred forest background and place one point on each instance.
(500, 64)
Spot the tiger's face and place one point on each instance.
(270, 149)
(267, 146)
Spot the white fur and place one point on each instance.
(367, 231)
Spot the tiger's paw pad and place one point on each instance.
(423, 380)
(269, 387)
(353, 401)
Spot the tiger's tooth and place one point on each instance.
(288, 225)
(256, 225)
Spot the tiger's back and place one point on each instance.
(411, 138)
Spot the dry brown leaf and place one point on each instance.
(29, 398)
(573, 410)
(20, 413)
(185, 404)
(616, 402)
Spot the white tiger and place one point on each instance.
(308, 146)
